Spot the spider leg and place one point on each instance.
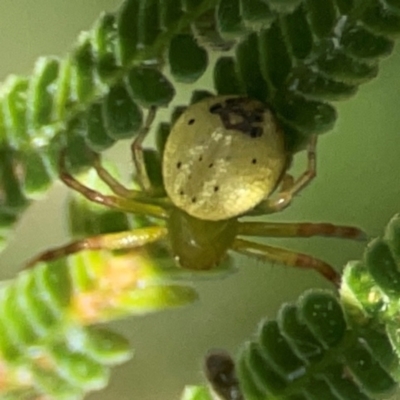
(119, 203)
(287, 257)
(302, 229)
(288, 191)
(117, 187)
(137, 152)
(286, 183)
(111, 241)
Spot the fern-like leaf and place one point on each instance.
(47, 344)
(324, 347)
(297, 55)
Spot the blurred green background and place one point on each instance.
(358, 184)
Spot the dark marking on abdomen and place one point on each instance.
(242, 107)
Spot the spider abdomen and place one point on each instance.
(223, 156)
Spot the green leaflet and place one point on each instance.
(328, 347)
(46, 315)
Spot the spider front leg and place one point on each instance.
(300, 229)
(116, 186)
(138, 155)
(112, 241)
(138, 159)
(290, 187)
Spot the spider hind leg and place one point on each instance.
(286, 257)
(290, 230)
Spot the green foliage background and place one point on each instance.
(358, 183)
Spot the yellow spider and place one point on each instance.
(224, 158)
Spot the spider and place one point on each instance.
(224, 160)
